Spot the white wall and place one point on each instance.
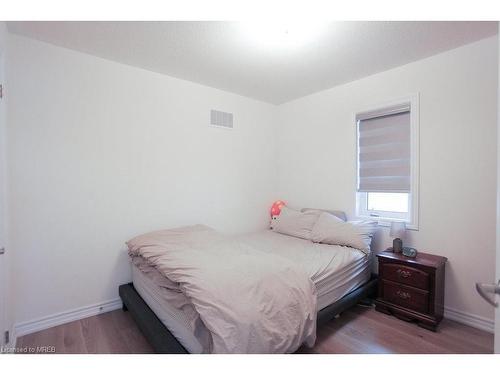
(6, 318)
(458, 105)
(497, 311)
(101, 152)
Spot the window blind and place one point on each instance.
(384, 157)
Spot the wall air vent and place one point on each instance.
(221, 119)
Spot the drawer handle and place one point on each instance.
(403, 273)
(403, 295)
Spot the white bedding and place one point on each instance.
(335, 271)
(189, 330)
(250, 301)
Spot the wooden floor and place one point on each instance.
(358, 330)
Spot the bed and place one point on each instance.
(341, 276)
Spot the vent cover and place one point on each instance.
(221, 119)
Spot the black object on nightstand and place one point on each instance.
(411, 288)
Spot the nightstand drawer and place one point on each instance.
(406, 275)
(405, 296)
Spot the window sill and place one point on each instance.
(386, 222)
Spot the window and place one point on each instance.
(387, 162)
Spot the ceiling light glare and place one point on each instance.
(278, 34)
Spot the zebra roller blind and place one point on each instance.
(384, 150)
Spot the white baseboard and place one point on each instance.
(471, 320)
(25, 328)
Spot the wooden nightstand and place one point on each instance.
(411, 288)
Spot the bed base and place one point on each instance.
(164, 342)
(367, 290)
(156, 333)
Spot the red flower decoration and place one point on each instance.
(276, 208)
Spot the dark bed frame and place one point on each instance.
(163, 341)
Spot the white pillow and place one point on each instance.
(295, 223)
(331, 230)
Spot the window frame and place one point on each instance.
(385, 218)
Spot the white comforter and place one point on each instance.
(251, 301)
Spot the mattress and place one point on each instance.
(187, 329)
(335, 271)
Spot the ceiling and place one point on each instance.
(273, 62)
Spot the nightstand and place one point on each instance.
(411, 288)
